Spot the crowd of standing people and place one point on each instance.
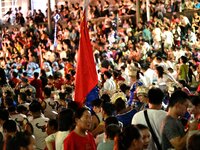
(148, 95)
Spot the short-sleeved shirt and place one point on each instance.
(172, 128)
(77, 142)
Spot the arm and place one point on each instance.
(179, 143)
(49, 139)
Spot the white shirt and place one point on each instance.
(50, 105)
(157, 34)
(58, 137)
(168, 37)
(155, 117)
(39, 126)
(109, 85)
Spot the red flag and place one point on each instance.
(86, 75)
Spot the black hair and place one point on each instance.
(108, 108)
(15, 74)
(47, 91)
(124, 87)
(195, 100)
(160, 70)
(36, 75)
(108, 74)
(105, 98)
(126, 137)
(194, 142)
(80, 111)
(62, 95)
(4, 115)
(112, 130)
(155, 96)
(96, 102)
(35, 106)
(178, 97)
(120, 104)
(23, 97)
(184, 59)
(10, 126)
(21, 139)
(53, 123)
(73, 105)
(111, 120)
(65, 120)
(141, 127)
(21, 109)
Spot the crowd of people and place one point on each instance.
(148, 95)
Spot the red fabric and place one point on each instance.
(58, 83)
(76, 142)
(37, 83)
(15, 81)
(198, 89)
(86, 75)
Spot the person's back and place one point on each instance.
(112, 130)
(38, 125)
(155, 114)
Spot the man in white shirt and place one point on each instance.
(109, 86)
(37, 125)
(168, 38)
(155, 114)
(192, 38)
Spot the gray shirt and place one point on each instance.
(108, 145)
(172, 128)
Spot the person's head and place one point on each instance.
(36, 75)
(119, 104)
(194, 107)
(96, 105)
(35, 107)
(66, 120)
(24, 81)
(107, 75)
(105, 97)
(15, 74)
(111, 120)
(124, 88)
(142, 94)
(9, 128)
(107, 109)
(183, 59)
(22, 97)
(112, 131)
(130, 138)
(21, 109)
(179, 100)
(193, 142)
(52, 126)
(146, 135)
(47, 92)
(160, 71)
(4, 115)
(22, 141)
(155, 96)
(83, 119)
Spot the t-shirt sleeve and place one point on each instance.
(50, 138)
(170, 130)
(134, 119)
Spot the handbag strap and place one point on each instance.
(155, 138)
